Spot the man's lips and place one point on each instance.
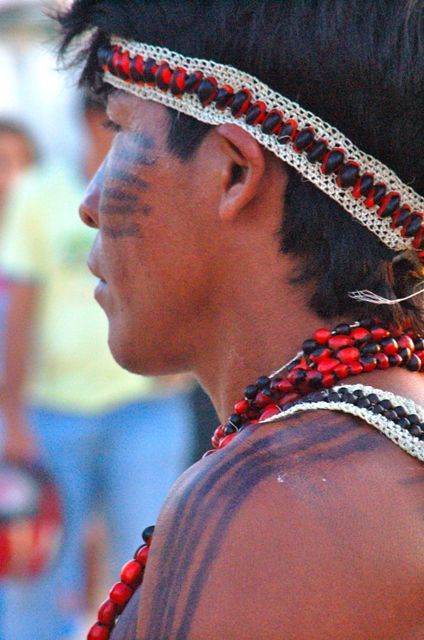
(96, 273)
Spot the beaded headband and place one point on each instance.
(216, 93)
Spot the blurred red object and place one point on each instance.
(31, 523)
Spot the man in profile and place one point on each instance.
(233, 222)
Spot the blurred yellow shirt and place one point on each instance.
(44, 241)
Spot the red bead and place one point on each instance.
(328, 380)
(226, 440)
(369, 363)
(107, 612)
(120, 593)
(219, 432)
(285, 385)
(325, 353)
(342, 371)
(348, 355)
(339, 342)
(208, 453)
(290, 397)
(322, 336)
(215, 442)
(270, 411)
(359, 334)
(241, 406)
(142, 554)
(390, 346)
(262, 400)
(327, 365)
(355, 368)
(99, 632)
(379, 333)
(418, 241)
(382, 361)
(405, 342)
(132, 573)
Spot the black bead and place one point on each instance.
(400, 411)
(147, 533)
(309, 346)
(333, 162)
(404, 423)
(286, 133)
(317, 352)
(363, 403)
(406, 356)
(343, 390)
(333, 396)
(103, 56)
(390, 415)
(316, 396)
(250, 392)
(358, 393)
(229, 429)
(348, 175)
(375, 408)
(149, 70)
(317, 152)
(223, 98)
(414, 363)
(342, 329)
(303, 139)
(413, 226)
(390, 207)
(349, 397)
(413, 419)
(419, 344)
(274, 383)
(366, 184)
(373, 398)
(315, 382)
(192, 82)
(206, 91)
(379, 192)
(236, 419)
(415, 431)
(253, 113)
(299, 376)
(402, 216)
(366, 323)
(238, 103)
(271, 123)
(386, 404)
(370, 349)
(262, 382)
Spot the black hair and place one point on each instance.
(13, 127)
(359, 65)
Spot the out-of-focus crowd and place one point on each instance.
(113, 442)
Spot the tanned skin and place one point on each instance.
(306, 529)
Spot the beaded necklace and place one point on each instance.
(311, 383)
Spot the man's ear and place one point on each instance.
(242, 170)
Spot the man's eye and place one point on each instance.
(109, 124)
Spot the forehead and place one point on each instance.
(136, 113)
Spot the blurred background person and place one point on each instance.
(64, 400)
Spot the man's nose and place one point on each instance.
(89, 208)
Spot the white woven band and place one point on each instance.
(224, 74)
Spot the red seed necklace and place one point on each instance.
(325, 359)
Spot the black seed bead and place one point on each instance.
(236, 419)
(239, 102)
(413, 226)
(375, 408)
(393, 361)
(299, 377)
(419, 344)
(358, 393)
(348, 176)
(349, 397)
(370, 349)
(366, 323)
(390, 415)
(404, 423)
(304, 139)
(415, 431)
(206, 91)
(379, 192)
(309, 346)
(149, 70)
(373, 398)
(192, 82)
(229, 429)
(414, 363)
(223, 98)
(148, 533)
(400, 411)
(342, 329)
(405, 354)
(317, 352)
(343, 390)
(286, 133)
(363, 403)
(271, 123)
(402, 216)
(262, 382)
(250, 392)
(254, 112)
(390, 207)
(315, 382)
(316, 396)
(333, 396)
(366, 184)
(317, 152)
(386, 404)
(333, 162)
(413, 419)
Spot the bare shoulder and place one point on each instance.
(308, 529)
